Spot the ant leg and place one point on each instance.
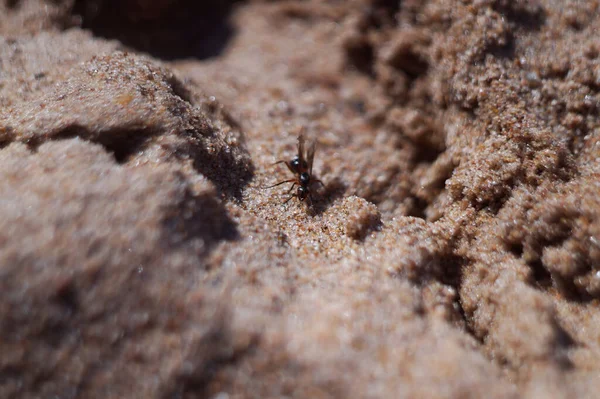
(291, 188)
(320, 182)
(281, 182)
(290, 197)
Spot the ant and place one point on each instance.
(301, 166)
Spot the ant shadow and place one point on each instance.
(332, 190)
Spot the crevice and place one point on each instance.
(197, 380)
(67, 297)
(12, 4)
(570, 292)
(383, 12)
(179, 89)
(167, 30)
(409, 61)
(4, 143)
(527, 15)
(122, 143)
(467, 325)
(418, 208)
(540, 275)
(494, 205)
(7, 136)
(358, 47)
(229, 174)
(516, 248)
(9, 374)
(451, 268)
(361, 55)
(505, 50)
(426, 153)
(529, 250)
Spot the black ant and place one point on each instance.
(301, 166)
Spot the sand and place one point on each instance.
(453, 252)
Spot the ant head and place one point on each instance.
(302, 193)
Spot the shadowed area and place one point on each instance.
(166, 29)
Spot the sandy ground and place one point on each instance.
(453, 251)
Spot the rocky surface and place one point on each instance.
(454, 250)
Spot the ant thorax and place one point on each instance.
(304, 178)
